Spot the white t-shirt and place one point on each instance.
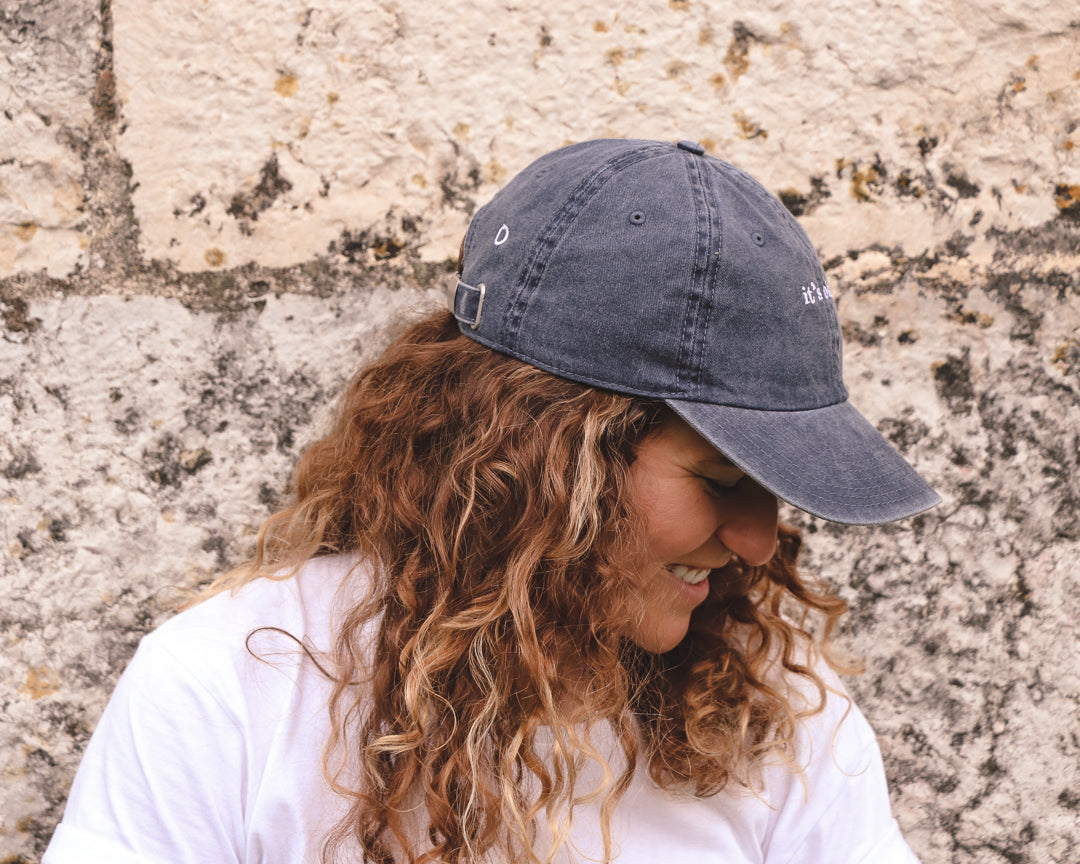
(209, 752)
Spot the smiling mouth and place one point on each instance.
(689, 575)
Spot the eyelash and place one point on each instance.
(715, 487)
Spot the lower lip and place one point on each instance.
(694, 594)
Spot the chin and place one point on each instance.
(661, 640)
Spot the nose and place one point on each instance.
(749, 529)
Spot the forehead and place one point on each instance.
(676, 439)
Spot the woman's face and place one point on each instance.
(700, 511)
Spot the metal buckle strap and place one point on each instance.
(466, 302)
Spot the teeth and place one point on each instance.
(688, 575)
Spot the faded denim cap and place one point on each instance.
(655, 270)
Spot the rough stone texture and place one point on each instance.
(382, 123)
(47, 81)
(967, 616)
(140, 447)
(234, 201)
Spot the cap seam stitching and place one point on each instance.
(551, 235)
(688, 362)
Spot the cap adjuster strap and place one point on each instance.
(466, 302)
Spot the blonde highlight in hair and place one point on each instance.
(491, 502)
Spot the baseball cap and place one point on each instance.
(652, 269)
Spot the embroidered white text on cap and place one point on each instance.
(813, 292)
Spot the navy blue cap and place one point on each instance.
(652, 269)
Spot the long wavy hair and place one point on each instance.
(489, 503)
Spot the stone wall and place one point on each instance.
(211, 212)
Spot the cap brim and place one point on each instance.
(829, 461)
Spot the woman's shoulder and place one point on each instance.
(268, 632)
(301, 604)
(209, 747)
(832, 803)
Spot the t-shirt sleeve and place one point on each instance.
(162, 777)
(842, 814)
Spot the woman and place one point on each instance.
(531, 601)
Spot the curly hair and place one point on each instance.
(490, 501)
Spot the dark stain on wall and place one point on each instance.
(799, 204)
(13, 313)
(271, 185)
(168, 462)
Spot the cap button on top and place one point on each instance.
(692, 147)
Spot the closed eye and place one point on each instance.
(724, 482)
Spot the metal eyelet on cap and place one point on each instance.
(758, 238)
(637, 218)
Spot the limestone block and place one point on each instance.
(46, 84)
(365, 129)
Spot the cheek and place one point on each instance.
(680, 524)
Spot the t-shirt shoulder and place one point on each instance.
(265, 627)
(213, 734)
(299, 604)
(837, 809)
